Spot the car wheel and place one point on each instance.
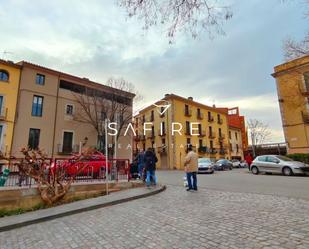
(254, 170)
(287, 171)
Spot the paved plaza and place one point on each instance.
(176, 218)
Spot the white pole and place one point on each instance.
(106, 156)
(80, 147)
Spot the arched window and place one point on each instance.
(4, 75)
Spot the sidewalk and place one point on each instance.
(12, 222)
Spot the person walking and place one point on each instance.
(150, 160)
(140, 163)
(191, 167)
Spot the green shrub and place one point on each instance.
(300, 157)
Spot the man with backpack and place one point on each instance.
(150, 160)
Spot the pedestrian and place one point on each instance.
(249, 160)
(140, 163)
(191, 167)
(150, 160)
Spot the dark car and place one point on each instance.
(223, 164)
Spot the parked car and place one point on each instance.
(243, 164)
(94, 167)
(223, 164)
(205, 165)
(236, 163)
(278, 164)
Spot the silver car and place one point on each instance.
(278, 164)
(205, 165)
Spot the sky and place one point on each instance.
(97, 40)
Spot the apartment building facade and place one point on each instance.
(292, 81)
(235, 143)
(46, 108)
(205, 127)
(9, 84)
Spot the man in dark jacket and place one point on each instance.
(150, 160)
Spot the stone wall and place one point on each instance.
(26, 198)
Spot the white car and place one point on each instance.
(236, 163)
(278, 164)
(205, 165)
(243, 164)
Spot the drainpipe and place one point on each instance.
(16, 111)
(55, 119)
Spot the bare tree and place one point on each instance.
(52, 183)
(294, 49)
(115, 106)
(259, 133)
(191, 16)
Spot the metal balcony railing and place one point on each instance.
(199, 115)
(188, 112)
(202, 133)
(210, 118)
(212, 135)
(65, 150)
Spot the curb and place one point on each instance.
(79, 210)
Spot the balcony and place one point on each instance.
(222, 151)
(210, 119)
(203, 149)
(202, 133)
(163, 132)
(220, 121)
(221, 137)
(199, 115)
(188, 112)
(3, 113)
(212, 135)
(65, 150)
(212, 151)
(305, 115)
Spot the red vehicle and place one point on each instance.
(94, 167)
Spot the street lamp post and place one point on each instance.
(106, 156)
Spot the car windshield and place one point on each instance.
(204, 160)
(284, 158)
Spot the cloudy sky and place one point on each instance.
(95, 39)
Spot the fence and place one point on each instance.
(81, 171)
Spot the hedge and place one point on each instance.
(300, 157)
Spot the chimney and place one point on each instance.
(190, 98)
(214, 106)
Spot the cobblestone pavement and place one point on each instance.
(176, 219)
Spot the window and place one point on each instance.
(230, 134)
(103, 116)
(236, 135)
(67, 142)
(187, 127)
(306, 79)
(34, 138)
(40, 79)
(220, 132)
(272, 159)
(188, 141)
(37, 106)
(69, 110)
(4, 75)
(210, 130)
(211, 144)
(152, 116)
(200, 143)
(237, 148)
(262, 159)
